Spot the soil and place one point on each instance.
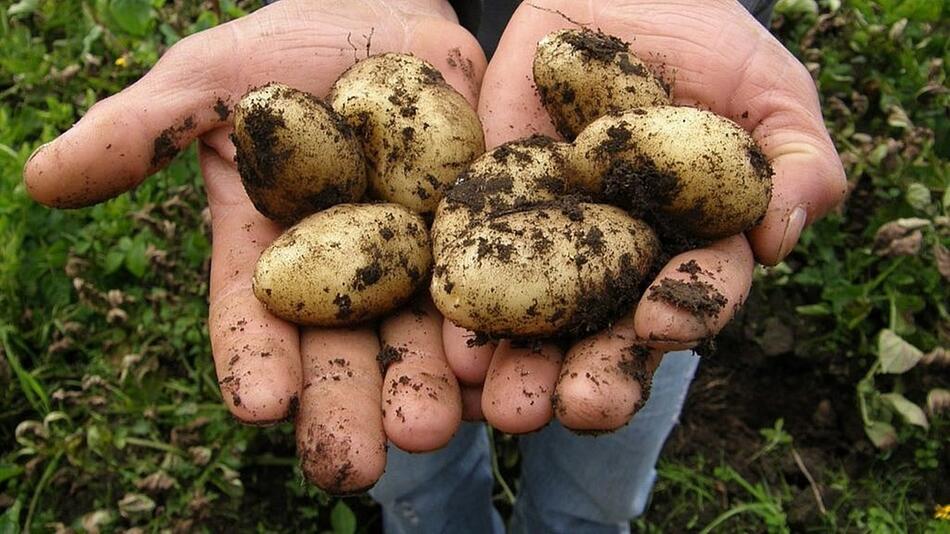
(597, 46)
(464, 64)
(222, 109)
(638, 186)
(166, 145)
(697, 297)
(634, 365)
(388, 356)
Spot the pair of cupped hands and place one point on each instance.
(718, 57)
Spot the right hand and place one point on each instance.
(266, 366)
(723, 59)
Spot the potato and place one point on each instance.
(417, 132)
(344, 265)
(296, 156)
(559, 268)
(513, 175)
(582, 75)
(702, 172)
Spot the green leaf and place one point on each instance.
(896, 355)
(10, 520)
(908, 410)
(8, 471)
(135, 259)
(918, 196)
(881, 434)
(796, 7)
(94, 34)
(113, 261)
(342, 519)
(813, 310)
(24, 7)
(133, 16)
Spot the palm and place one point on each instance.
(266, 366)
(717, 56)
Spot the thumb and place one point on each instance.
(128, 136)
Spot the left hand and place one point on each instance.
(721, 58)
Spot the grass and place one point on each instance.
(110, 415)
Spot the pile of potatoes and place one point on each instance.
(392, 130)
(536, 238)
(540, 238)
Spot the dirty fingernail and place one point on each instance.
(793, 230)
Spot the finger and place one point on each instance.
(340, 438)
(472, 403)
(422, 405)
(695, 294)
(122, 139)
(605, 379)
(256, 355)
(462, 62)
(468, 356)
(519, 388)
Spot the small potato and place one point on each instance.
(703, 172)
(344, 265)
(296, 156)
(582, 75)
(417, 132)
(513, 175)
(556, 269)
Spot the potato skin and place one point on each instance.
(418, 133)
(703, 172)
(296, 156)
(582, 75)
(344, 265)
(556, 269)
(513, 175)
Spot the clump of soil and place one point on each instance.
(638, 186)
(389, 355)
(258, 164)
(697, 297)
(166, 145)
(597, 46)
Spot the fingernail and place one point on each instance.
(37, 151)
(793, 230)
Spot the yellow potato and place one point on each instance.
(702, 172)
(296, 156)
(559, 268)
(582, 75)
(513, 175)
(417, 132)
(344, 265)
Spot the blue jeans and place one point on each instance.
(569, 483)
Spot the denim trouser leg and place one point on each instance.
(446, 491)
(596, 484)
(569, 483)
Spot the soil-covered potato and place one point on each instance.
(582, 75)
(513, 175)
(418, 133)
(296, 156)
(703, 173)
(555, 269)
(344, 265)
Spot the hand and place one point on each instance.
(718, 57)
(268, 368)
